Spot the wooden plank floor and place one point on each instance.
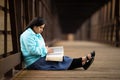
(105, 67)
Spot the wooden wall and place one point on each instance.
(103, 26)
(16, 14)
(14, 17)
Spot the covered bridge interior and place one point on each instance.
(89, 20)
(73, 14)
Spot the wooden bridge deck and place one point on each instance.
(105, 67)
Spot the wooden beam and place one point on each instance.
(9, 63)
(117, 39)
(25, 10)
(5, 28)
(36, 8)
(18, 17)
(13, 25)
(30, 9)
(3, 9)
(2, 32)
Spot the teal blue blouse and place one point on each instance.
(32, 46)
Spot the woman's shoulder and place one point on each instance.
(27, 34)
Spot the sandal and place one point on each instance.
(92, 55)
(89, 61)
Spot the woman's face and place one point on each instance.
(39, 29)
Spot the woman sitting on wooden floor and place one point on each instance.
(34, 51)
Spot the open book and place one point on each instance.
(57, 55)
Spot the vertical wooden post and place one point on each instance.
(36, 8)
(117, 23)
(30, 9)
(112, 22)
(40, 8)
(18, 14)
(13, 25)
(18, 17)
(25, 7)
(5, 28)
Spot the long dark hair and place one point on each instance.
(38, 21)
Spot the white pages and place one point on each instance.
(57, 55)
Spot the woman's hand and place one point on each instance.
(49, 50)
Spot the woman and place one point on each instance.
(34, 51)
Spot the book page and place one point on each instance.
(57, 55)
(57, 50)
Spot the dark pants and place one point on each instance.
(76, 63)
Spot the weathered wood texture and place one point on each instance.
(105, 67)
(9, 63)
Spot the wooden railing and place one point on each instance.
(8, 65)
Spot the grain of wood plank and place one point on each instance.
(105, 67)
